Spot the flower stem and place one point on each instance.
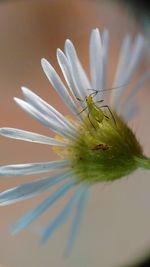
(143, 162)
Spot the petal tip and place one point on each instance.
(44, 62)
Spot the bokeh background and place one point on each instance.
(116, 226)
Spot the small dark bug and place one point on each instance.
(101, 147)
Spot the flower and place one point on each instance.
(96, 143)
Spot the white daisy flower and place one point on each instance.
(96, 144)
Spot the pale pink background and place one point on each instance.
(116, 225)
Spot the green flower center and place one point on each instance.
(104, 151)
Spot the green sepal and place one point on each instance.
(143, 162)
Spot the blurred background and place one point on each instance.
(115, 230)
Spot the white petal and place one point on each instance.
(131, 62)
(62, 216)
(78, 74)
(124, 58)
(123, 63)
(32, 168)
(56, 82)
(30, 137)
(77, 220)
(47, 109)
(105, 44)
(65, 67)
(36, 212)
(41, 118)
(135, 57)
(96, 59)
(29, 190)
(129, 113)
(133, 92)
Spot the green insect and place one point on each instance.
(95, 113)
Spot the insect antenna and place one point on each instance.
(95, 91)
(93, 94)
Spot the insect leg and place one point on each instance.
(99, 101)
(106, 106)
(81, 100)
(90, 120)
(82, 110)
